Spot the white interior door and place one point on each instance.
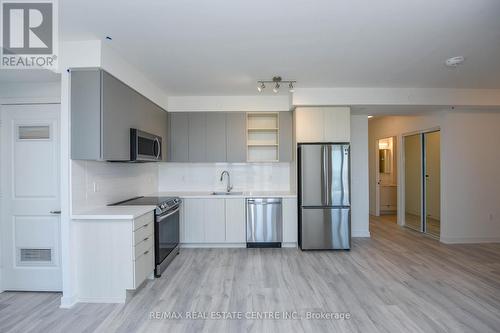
(30, 224)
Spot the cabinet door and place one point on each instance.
(337, 124)
(194, 220)
(178, 142)
(236, 137)
(285, 136)
(290, 228)
(119, 115)
(197, 136)
(235, 220)
(153, 119)
(86, 115)
(216, 137)
(309, 124)
(215, 221)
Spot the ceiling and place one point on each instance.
(222, 47)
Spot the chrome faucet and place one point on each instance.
(229, 187)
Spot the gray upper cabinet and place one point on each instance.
(178, 140)
(236, 137)
(216, 137)
(197, 147)
(285, 136)
(219, 137)
(103, 110)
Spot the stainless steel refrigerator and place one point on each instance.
(324, 196)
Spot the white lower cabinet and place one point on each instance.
(113, 256)
(222, 222)
(235, 221)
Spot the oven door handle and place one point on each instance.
(161, 218)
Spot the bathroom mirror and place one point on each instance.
(384, 160)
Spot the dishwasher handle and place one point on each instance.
(264, 201)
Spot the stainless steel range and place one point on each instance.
(167, 217)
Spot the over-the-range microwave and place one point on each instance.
(145, 147)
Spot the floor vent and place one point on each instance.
(33, 256)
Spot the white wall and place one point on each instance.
(359, 176)
(229, 103)
(30, 92)
(205, 176)
(95, 184)
(470, 200)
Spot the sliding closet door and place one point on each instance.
(432, 183)
(413, 181)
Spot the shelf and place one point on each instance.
(262, 129)
(263, 137)
(262, 144)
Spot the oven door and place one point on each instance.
(144, 146)
(166, 238)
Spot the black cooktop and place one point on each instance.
(141, 201)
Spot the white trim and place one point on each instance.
(67, 302)
(212, 245)
(101, 300)
(469, 240)
(289, 245)
(29, 100)
(360, 233)
(229, 103)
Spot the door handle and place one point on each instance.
(55, 212)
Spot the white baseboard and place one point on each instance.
(289, 245)
(360, 233)
(469, 240)
(101, 300)
(67, 302)
(212, 245)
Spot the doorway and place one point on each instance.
(386, 178)
(30, 183)
(422, 189)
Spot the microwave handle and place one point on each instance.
(158, 151)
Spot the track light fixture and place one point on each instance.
(276, 81)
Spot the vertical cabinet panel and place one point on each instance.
(178, 138)
(216, 137)
(236, 137)
(337, 124)
(235, 220)
(290, 228)
(120, 114)
(309, 126)
(285, 136)
(194, 220)
(85, 115)
(197, 137)
(215, 221)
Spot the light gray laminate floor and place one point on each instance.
(397, 281)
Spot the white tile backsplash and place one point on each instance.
(205, 176)
(99, 183)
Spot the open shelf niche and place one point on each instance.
(263, 137)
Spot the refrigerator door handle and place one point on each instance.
(324, 175)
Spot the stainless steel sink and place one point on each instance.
(227, 193)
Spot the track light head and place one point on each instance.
(276, 88)
(291, 88)
(261, 86)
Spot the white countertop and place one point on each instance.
(246, 194)
(112, 213)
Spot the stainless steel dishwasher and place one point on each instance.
(264, 222)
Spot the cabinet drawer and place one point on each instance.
(143, 246)
(143, 233)
(143, 266)
(141, 221)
